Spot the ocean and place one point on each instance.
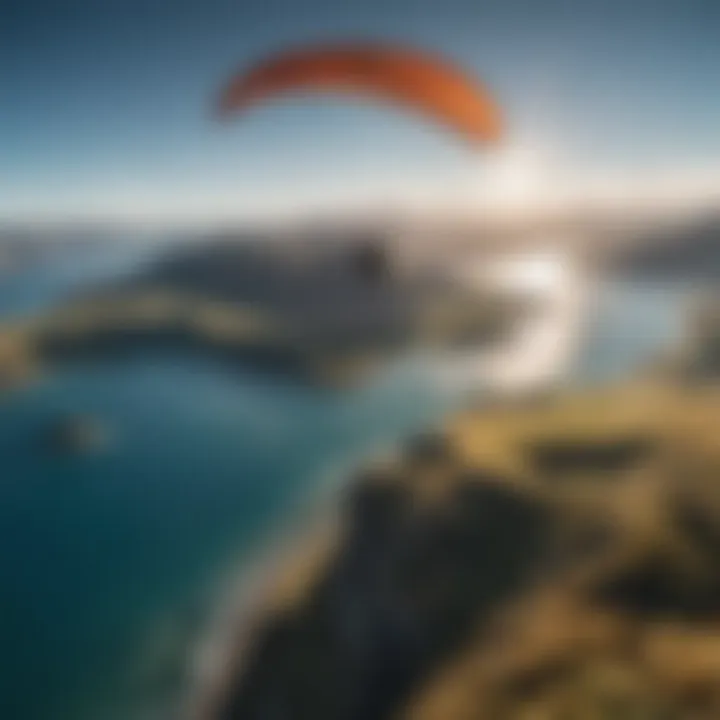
(112, 560)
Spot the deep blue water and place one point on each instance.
(108, 558)
(97, 547)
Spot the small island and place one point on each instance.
(76, 435)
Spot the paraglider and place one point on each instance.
(407, 78)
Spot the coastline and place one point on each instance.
(298, 546)
(302, 542)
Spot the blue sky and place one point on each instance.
(105, 104)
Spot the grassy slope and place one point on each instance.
(623, 621)
(557, 560)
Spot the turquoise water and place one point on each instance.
(108, 559)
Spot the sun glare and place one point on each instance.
(518, 178)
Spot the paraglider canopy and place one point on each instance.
(409, 78)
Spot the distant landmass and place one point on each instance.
(689, 249)
(324, 308)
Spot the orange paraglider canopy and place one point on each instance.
(409, 78)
